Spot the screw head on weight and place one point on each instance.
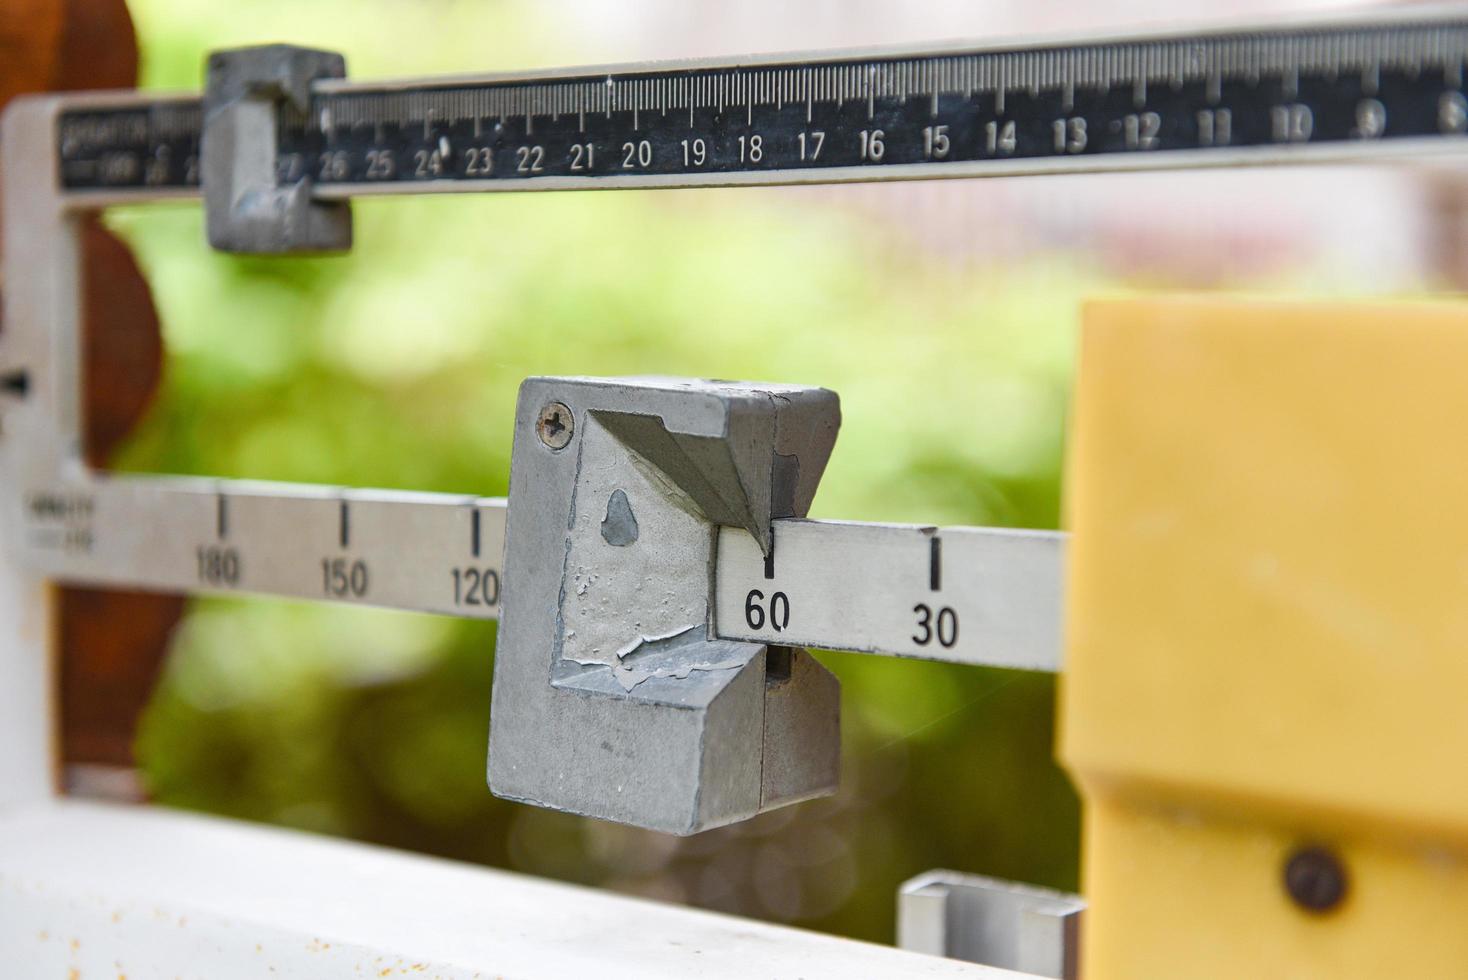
(555, 425)
(1315, 879)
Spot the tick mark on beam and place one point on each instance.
(17, 383)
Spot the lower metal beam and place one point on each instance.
(960, 594)
(428, 552)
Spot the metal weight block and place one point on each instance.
(248, 206)
(611, 699)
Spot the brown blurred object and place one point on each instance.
(1447, 227)
(111, 643)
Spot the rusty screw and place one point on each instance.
(1315, 879)
(555, 425)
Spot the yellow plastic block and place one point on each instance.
(1267, 635)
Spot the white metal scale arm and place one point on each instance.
(967, 595)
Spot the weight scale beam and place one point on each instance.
(1384, 83)
(961, 594)
(1345, 88)
(702, 720)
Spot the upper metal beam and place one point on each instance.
(1375, 85)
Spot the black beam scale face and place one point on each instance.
(1066, 106)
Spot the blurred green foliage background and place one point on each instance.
(396, 366)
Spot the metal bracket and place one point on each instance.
(611, 698)
(246, 206)
(997, 923)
